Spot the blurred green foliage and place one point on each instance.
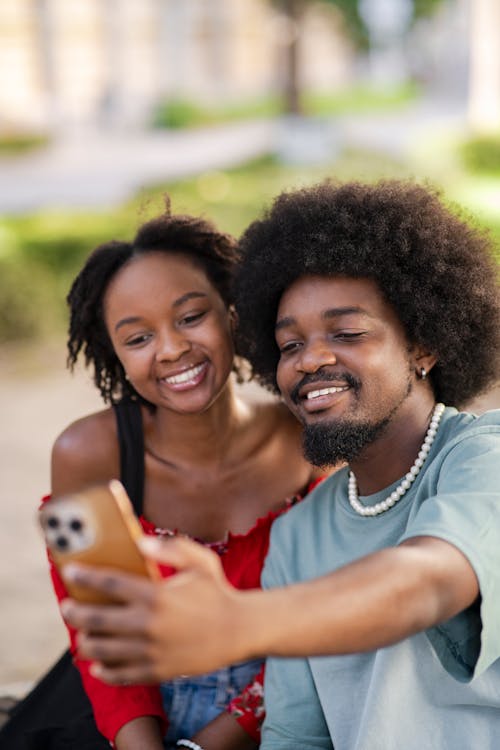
(182, 113)
(39, 256)
(482, 154)
(18, 143)
(41, 253)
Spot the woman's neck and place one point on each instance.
(205, 437)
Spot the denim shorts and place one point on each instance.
(191, 702)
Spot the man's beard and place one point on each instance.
(340, 441)
(330, 443)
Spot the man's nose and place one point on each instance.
(315, 355)
(172, 344)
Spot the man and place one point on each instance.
(369, 307)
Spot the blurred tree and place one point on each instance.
(293, 11)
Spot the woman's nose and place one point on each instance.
(315, 355)
(171, 346)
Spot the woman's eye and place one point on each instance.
(138, 340)
(192, 318)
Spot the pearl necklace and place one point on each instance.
(405, 484)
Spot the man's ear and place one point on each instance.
(423, 361)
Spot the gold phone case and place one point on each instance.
(95, 527)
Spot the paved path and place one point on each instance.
(103, 168)
(35, 407)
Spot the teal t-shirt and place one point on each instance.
(439, 689)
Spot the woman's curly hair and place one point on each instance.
(436, 270)
(195, 237)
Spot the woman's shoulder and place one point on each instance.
(83, 432)
(281, 426)
(85, 452)
(287, 432)
(282, 433)
(277, 417)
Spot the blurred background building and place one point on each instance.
(67, 63)
(109, 63)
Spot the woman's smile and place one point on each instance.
(186, 379)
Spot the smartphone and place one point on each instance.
(96, 527)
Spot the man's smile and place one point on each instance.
(322, 385)
(325, 391)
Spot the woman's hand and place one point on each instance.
(141, 733)
(224, 733)
(187, 624)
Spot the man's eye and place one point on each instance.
(348, 336)
(289, 347)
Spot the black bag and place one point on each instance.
(55, 715)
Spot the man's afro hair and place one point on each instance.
(436, 269)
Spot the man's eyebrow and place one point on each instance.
(332, 312)
(178, 302)
(284, 323)
(337, 312)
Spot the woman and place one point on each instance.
(155, 319)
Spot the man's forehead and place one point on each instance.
(318, 288)
(329, 297)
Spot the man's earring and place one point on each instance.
(423, 373)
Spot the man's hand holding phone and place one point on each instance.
(189, 623)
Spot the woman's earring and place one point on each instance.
(423, 373)
(233, 319)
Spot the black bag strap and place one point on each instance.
(131, 442)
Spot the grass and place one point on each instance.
(357, 99)
(234, 197)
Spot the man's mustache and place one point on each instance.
(325, 375)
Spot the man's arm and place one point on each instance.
(376, 601)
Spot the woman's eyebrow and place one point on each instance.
(188, 296)
(126, 321)
(178, 302)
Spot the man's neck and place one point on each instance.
(393, 453)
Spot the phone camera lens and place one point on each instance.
(62, 542)
(75, 525)
(52, 522)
